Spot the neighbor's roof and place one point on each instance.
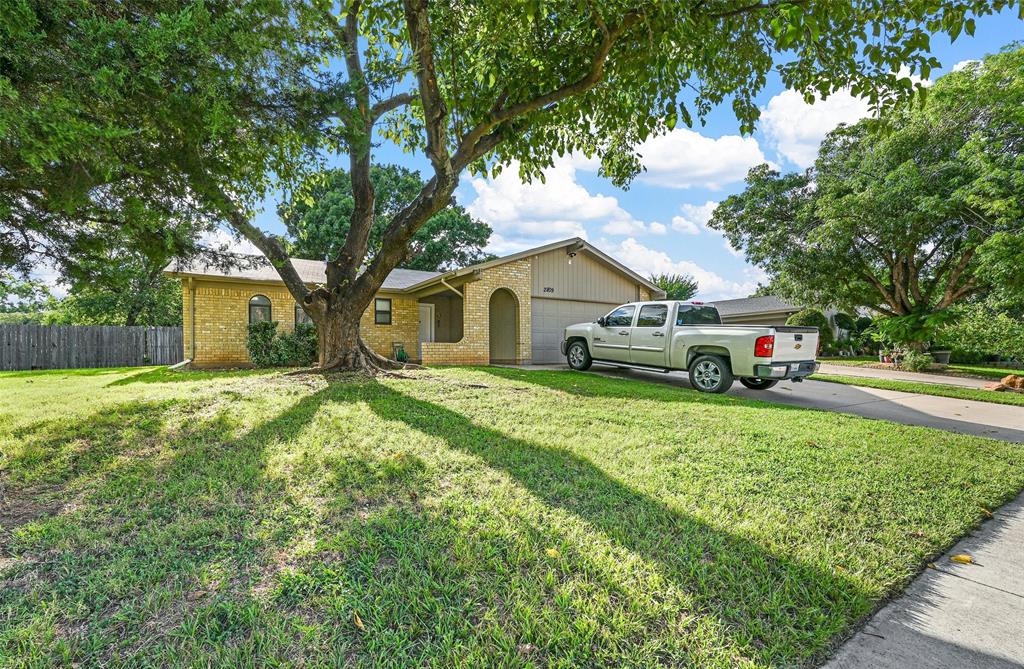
(753, 305)
(314, 271)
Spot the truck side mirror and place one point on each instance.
(601, 321)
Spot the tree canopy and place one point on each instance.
(318, 222)
(903, 220)
(676, 286)
(147, 117)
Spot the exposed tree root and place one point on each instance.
(363, 360)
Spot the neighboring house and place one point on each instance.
(767, 310)
(510, 309)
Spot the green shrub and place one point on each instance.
(915, 361)
(260, 343)
(814, 318)
(270, 348)
(982, 330)
(845, 322)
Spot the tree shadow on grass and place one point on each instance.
(167, 375)
(142, 525)
(778, 609)
(595, 385)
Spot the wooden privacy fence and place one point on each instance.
(77, 346)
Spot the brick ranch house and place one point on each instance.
(507, 310)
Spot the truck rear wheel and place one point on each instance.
(755, 383)
(578, 356)
(710, 374)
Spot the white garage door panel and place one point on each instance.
(550, 317)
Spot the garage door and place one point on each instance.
(550, 317)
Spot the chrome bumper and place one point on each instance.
(786, 370)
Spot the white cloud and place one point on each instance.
(684, 225)
(694, 218)
(658, 229)
(964, 64)
(687, 159)
(624, 226)
(225, 242)
(796, 129)
(528, 214)
(47, 274)
(647, 261)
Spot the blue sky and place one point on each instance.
(657, 225)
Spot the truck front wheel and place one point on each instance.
(755, 383)
(578, 356)
(710, 374)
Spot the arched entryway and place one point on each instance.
(504, 326)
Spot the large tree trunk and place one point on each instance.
(341, 348)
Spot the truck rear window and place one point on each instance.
(690, 314)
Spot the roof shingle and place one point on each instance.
(311, 271)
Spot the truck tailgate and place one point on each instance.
(794, 344)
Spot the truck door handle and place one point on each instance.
(623, 332)
(657, 334)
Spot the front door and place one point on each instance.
(426, 326)
(647, 340)
(611, 342)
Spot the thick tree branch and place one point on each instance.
(348, 39)
(344, 267)
(883, 291)
(394, 102)
(953, 292)
(269, 246)
(435, 113)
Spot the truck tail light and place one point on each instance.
(764, 346)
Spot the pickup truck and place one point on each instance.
(689, 336)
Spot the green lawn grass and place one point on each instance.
(938, 389)
(461, 517)
(954, 369)
(982, 371)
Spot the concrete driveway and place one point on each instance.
(984, 419)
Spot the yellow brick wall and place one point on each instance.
(404, 328)
(222, 320)
(475, 348)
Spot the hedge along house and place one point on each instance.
(507, 310)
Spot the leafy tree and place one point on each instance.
(450, 238)
(139, 121)
(982, 328)
(21, 295)
(196, 108)
(117, 285)
(814, 318)
(676, 286)
(158, 304)
(899, 221)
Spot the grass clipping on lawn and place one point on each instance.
(465, 517)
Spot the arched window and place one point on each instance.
(259, 309)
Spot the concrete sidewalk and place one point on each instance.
(899, 375)
(954, 615)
